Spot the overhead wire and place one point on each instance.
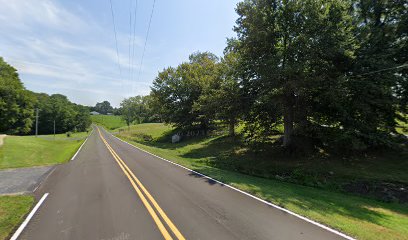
(133, 45)
(116, 40)
(130, 33)
(382, 70)
(145, 43)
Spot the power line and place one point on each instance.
(383, 70)
(147, 36)
(116, 39)
(130, 30)
(133, 45)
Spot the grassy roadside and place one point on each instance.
(12, 211)
(29, 151)
(108, 121)
(357, 216)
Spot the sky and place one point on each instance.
(69, 47)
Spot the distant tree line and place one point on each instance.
(17, 108)
(332, 73)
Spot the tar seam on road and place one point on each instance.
(138, 186)
(247, 194)
(45, 179)
(79, 149)
(24, 224)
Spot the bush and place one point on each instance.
(69, 134)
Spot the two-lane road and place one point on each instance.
(112, 190)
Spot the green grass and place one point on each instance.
(224, 158)
(108, 121)
(12, 211)
(155, 130)
(63, 136)
(29, 151)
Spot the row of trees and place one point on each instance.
(17, 108)
(68, 116)
(333, 72)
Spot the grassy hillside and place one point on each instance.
(232, 154)
(12, 211)
(227, 159)
(28, 151)
(108, 121)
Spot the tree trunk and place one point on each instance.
(288, 116)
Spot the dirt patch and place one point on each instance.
(2, 136)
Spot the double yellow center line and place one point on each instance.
(152, 206)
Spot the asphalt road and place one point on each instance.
(114, 191)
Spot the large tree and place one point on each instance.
(222, 100)
(176, 90)
(16, 103)
(104, 107)
(377, 84)
(294, 54)
(131, 109)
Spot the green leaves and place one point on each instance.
(67, 115)
(104, 107)
(137, 109)
(17, 108)
(302, 61)
(16, 103)
(310, 66)
(176, 91)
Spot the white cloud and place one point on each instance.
(54, 47)
(23, 14)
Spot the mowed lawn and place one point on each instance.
(360, 217)
(29, 151)
(108, 121)
(12, 212)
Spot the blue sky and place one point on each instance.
(68, 47)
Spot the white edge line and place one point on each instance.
(79, 149)
(249, 195)
(24, 224)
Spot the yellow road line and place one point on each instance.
(127, 171)
(155, 204)
(149, 208)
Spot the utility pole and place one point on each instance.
(36, 122)
(54, 129)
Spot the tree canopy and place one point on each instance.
(137, 110)
(67, 115)
(17, 108)
(103, 107)
(177, 90)
(333, 73)
(16, 104)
